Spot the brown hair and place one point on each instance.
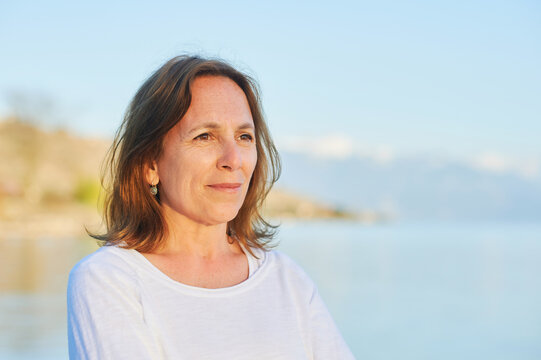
(132, 215)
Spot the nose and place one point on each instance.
(230, 157)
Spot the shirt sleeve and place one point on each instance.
(105, 315)
(327, 342)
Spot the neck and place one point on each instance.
(188, 237)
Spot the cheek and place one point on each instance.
(172, 171)
(252, 161)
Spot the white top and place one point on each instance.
(120, 306)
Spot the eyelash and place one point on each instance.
(250, 137)
(200, 137)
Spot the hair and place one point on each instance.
(132, 215)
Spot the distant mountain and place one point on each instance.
(49, 184)
(45, 168)
(414, 188)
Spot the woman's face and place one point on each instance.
(209, 156)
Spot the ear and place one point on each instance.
(151, 173)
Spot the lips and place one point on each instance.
(226, 187)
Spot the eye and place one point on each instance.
(204, 137)
(246, 137)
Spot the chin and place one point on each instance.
(222, 214)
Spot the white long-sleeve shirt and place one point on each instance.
(120, 306)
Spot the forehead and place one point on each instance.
(213, 84)
(216, 99)
(216, 91)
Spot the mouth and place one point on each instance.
(226, 187)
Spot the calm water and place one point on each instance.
(397, 291)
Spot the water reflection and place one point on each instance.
(32, 301)
(39, 265)
(429, 291)
(397, 291)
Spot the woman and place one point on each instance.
(186, 272)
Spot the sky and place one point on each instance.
(459, 79)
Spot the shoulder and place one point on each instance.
(104, 260)
(285, 263)
(291, 272)
(107, 265)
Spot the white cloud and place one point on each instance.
(331, 146)
(498, 163)
(340, 146)
(336, 146)
(380, 153)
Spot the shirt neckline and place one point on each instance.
(256, 274)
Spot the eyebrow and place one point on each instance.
(215, 125)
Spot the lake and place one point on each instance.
(396, 291)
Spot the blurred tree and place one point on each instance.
(30, 107)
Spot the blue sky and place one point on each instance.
(452, 78)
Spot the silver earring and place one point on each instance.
(154, 189)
